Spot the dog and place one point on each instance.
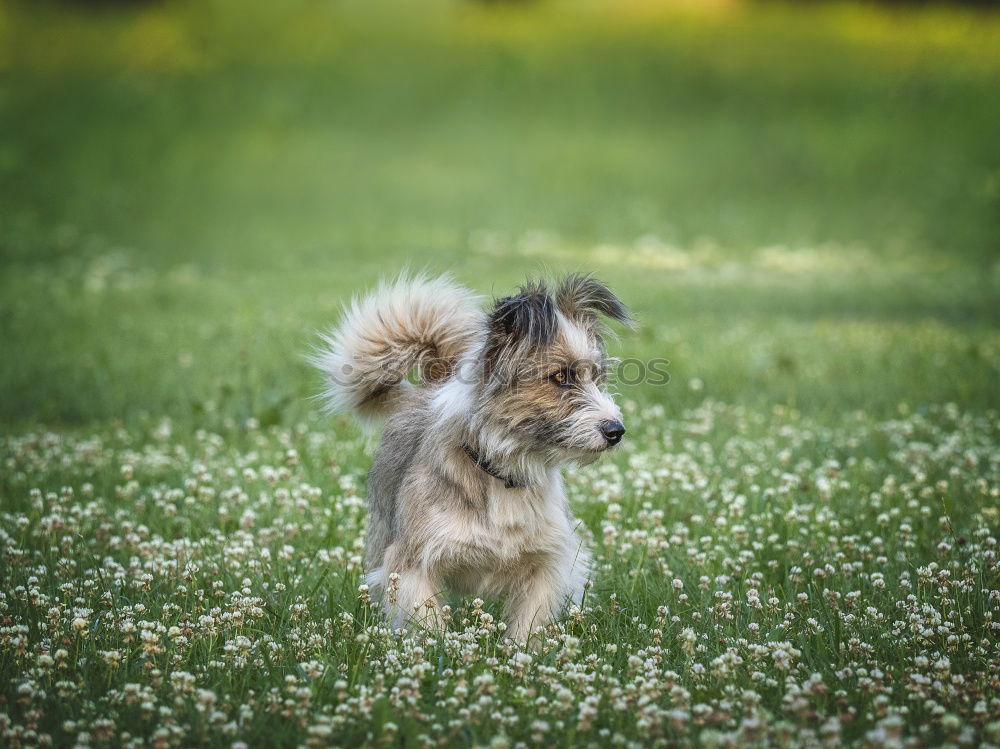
(465, 492)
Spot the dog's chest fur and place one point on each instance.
(515, 530)
(523, 521)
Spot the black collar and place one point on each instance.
(487, 467)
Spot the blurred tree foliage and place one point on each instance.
(110, 3)
(910, 3)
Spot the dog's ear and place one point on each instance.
(527, 319)
(583, 297)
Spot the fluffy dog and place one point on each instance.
(465, 492)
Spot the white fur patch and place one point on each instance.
(452, 399)
(576, 339)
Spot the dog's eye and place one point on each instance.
(560, 378)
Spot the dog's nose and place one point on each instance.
(612, 431)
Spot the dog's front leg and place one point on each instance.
(537, 595)
(411, 598)
(534, 601)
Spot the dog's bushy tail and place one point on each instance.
(413, 323)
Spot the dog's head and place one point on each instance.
(545, 369)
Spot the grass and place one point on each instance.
(802, 205)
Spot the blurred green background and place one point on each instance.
(801, 202)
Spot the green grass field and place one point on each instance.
(797, 543)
